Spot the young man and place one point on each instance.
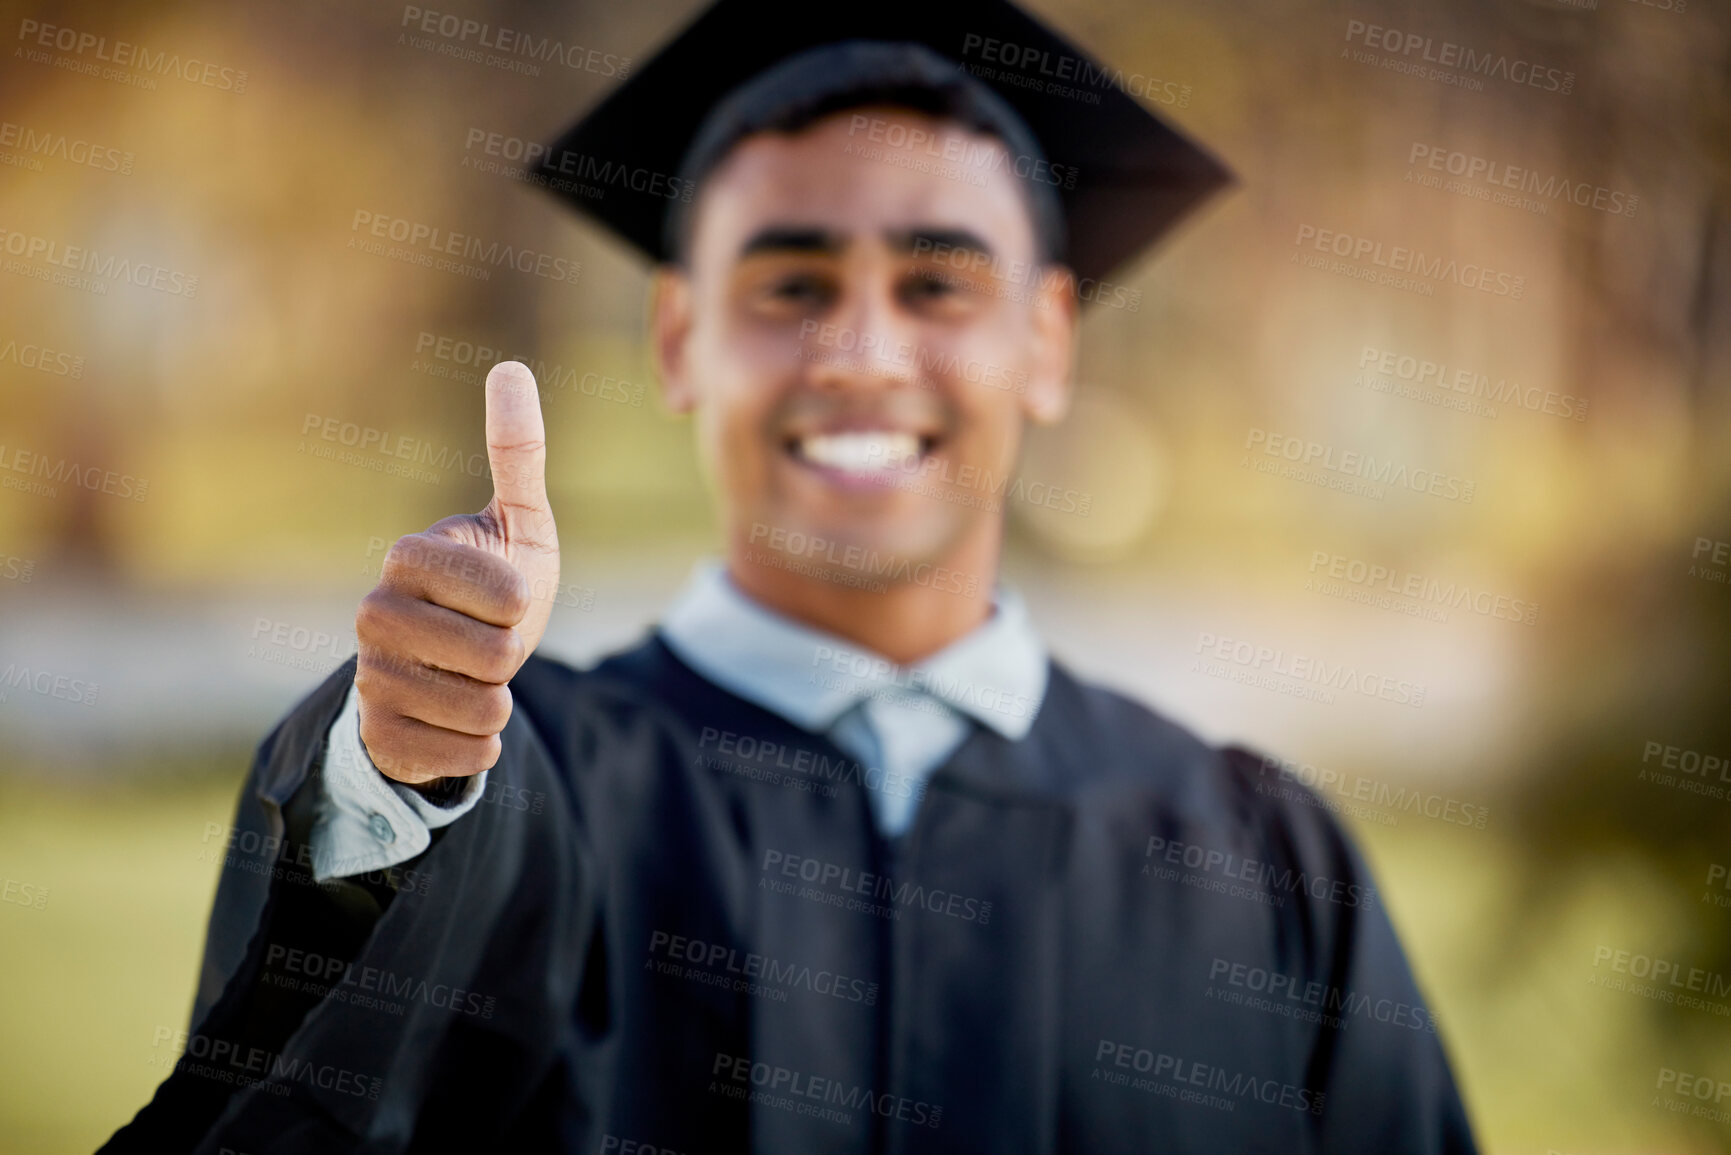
(838, 859)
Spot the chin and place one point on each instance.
(840, 542)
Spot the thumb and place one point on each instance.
(517, 454)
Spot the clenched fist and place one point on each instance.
(459, 608)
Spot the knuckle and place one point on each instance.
(405, 553)
(515, 598)
(373, 617)
(493, 709)
(500, 653)
(376, 669)
(369, 679)
(465, 755)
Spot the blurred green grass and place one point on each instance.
(1546, 1062)
(111, 956)
(1548, 1065)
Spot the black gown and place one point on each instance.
(671, 926)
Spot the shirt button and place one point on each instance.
(381, 828)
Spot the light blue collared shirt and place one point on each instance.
(904, 721)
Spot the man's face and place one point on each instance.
(861, 330)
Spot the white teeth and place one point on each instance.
(865, 451)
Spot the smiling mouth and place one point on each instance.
(863, 453)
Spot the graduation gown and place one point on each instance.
(671, 926)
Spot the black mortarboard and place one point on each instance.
(1135, 175)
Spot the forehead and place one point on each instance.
(868, 171)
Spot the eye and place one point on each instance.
(940, 290)
(927, 286)
(801, 288)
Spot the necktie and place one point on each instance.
(904, 736)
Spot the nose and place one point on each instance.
(869, 343)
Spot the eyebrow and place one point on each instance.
(919, 241)
(924, 241)
(796, 240)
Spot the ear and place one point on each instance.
(670, 336)
(1054, 316)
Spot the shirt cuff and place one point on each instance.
(365, 822)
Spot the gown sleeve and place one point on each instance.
(1378, 1057)
(359, 1014)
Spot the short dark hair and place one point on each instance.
(832, 78)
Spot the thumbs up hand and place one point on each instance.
(460, 607)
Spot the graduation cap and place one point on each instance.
(1135, 176)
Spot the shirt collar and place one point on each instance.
(997, 674)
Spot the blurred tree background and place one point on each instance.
(203, 603)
